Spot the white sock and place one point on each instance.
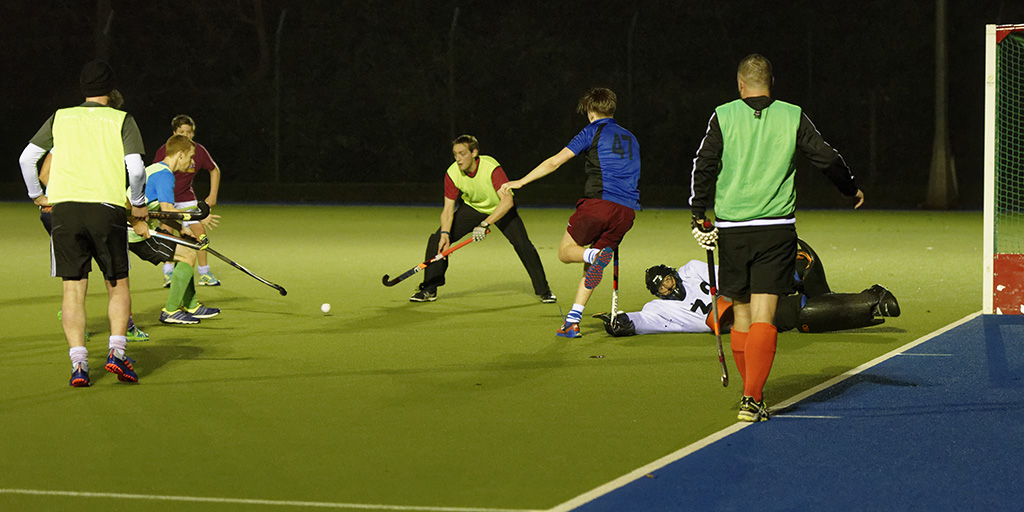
(79, 355)
(205, 269)
(118, 344)
(590, 254)
(168, 267)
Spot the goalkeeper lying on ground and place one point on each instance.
(684, 302)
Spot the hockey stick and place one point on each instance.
(615, 287)
(714, 313)
(421, 266)
(193, 245)
(204, 211)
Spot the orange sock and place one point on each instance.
(760, 354)
(738, 344)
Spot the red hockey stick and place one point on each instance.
(423, 265)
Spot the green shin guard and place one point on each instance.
(181, 281)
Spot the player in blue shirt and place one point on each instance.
(610, 197)
(182, 306)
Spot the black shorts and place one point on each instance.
(154, 250)
(756, 260)
(86, 231)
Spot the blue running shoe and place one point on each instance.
(596, 270)
(202, 311)
(122, 367)
(177, 317)
(569, 330)
(80, 376)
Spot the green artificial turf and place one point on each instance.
(470, 401)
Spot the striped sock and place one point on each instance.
(575, 314)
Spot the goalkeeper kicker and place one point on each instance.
(683, 302)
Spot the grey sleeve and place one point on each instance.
(44, 137)
(131, 137)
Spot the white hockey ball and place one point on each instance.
(325, 307)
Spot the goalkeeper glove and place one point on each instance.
(704, 232)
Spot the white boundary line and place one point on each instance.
(736, 427)
(240, 501)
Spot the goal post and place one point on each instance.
(1003, 284)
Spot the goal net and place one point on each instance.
(1004, 170)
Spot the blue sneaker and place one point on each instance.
(202, 311)
(596, 270)
(177, 317)
(122, 367)
(79, 376)
(569, 330)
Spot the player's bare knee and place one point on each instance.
(185, 255)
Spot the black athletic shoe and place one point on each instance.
(752, 411)
(887, 305)
(548, 298)
(424, 296)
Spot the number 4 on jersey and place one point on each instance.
(618, 149)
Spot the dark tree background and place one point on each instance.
(371, 92)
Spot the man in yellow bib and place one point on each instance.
(473, 203)
(92, 145)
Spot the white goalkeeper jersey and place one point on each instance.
(687, 315)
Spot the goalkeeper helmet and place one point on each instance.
(656, 277)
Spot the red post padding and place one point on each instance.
(1008, 284)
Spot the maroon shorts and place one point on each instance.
(600, 223)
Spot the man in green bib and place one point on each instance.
(745, 171)
(473, 203)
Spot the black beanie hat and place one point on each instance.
(97, 79)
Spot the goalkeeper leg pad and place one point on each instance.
(838, 311)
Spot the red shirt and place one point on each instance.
(201, 161)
